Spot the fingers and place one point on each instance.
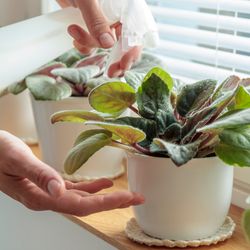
(98, 203)
(129, 58)
(91, 187)
(40, 174)
(96, 22)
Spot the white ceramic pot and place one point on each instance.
(186, 203)
(16, 117)
(56, 141)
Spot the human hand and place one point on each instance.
(39, 187)
(100, 34)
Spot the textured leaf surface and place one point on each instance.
(88, 143)
(147, 126)
(77, 75)
(180, 154)
(77, 116)
(232, 155)
(112, 97)
(153, 99)
(125, 132)
(241, 118)
(47, 88)
(17, 88)
(193, 96)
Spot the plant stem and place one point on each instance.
(141, 149)
(125, 147)
(135, 110)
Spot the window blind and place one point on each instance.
(204, 38)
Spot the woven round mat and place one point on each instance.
(135, 233)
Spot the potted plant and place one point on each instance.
(64, 84)
(180, 144)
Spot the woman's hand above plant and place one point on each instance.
(100, 34)
(33, 183)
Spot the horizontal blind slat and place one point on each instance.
(205, 55)
(205, 37)
(204, 19)
(242, 6)
(195, 70)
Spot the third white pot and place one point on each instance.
(56, 141)
(186, 203)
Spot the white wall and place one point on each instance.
(12, 11)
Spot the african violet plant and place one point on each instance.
(73, 74)
(172, 119)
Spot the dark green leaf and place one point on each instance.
(88, 143)
(180, 154)
(147, 126)
(194, 96)
(153, 99)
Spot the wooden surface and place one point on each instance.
(110, 225)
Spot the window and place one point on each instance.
(206, 39)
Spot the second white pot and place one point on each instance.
(186, 203)
(56, 141)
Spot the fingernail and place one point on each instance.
(75, 33)
(54, 188)
(106, 40)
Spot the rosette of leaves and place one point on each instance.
(173, 119)
(73, 74)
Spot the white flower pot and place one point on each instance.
(186, 203)
(16, 117)
(56, 141)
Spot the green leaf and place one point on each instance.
(230, 84)
(77, 75)
(234, 120)
(173, 133)
(77, 116)
(112, 97)
(125, 132)
(88, 143)
(134, 79)
(98, 60)
(242, 99)
(48, 68)
(4, 92)
(161, 74)
(17, 88)
(180, 154)
(232, 155)
(147, 126)
(97, 81)
(153, 99)
(47, 88)
(239, 137)
(70, 57)
(246, 224)
(193, 96)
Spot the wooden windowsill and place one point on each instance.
(110, 225)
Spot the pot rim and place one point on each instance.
(168, 158)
